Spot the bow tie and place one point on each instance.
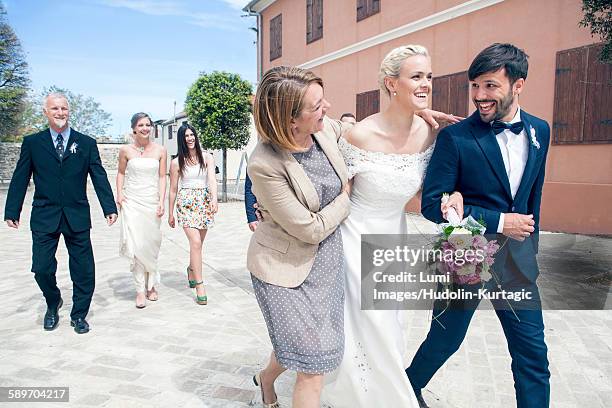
(498, 126)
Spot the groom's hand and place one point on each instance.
(455, 201)
(518, 226)
(110, 219)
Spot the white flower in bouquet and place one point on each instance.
(485, 275)
(460, 238)
(467, 269)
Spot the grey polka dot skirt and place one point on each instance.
(306, 323)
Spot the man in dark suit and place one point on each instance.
(60, 158)
(496, 159)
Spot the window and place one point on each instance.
(314, 20)
(367, 8)
(368, 103)
(170, 131)
(583, 97)
(276, 37)
(451, 94)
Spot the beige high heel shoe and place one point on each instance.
(257, 381)
(152, 295)
(140, 304)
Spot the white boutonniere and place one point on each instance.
(73, 148)
(534, 141)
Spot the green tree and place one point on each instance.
(14, 80)
(86, 115)
(218, 106)
(32, 119)
(598, 18)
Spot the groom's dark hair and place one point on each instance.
(498, 56)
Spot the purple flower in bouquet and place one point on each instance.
(458, 240)
(479, 242)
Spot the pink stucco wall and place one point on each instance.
(578, 186)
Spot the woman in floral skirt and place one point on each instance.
(192, 174)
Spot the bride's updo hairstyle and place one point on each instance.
(279, 99)
(392, 63)
(137, 117)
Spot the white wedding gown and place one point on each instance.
(372, 371)
(140, 236)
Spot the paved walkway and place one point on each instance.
(175, 353)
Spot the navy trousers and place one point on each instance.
(81, 265)
(523, 327)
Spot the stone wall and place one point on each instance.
(109, 154)
(9, 154)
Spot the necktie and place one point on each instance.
(498, 126)
(59, 147)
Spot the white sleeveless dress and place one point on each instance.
(372, 370)
(140, 236)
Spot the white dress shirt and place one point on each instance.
(514, 151)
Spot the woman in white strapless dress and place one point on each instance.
(387, 155)
(141, 191)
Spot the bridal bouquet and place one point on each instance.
(464, 254)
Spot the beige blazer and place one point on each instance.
(284, 245)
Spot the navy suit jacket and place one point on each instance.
(60, 185)
(249, 200)
(467, 159)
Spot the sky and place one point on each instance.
(132, 55)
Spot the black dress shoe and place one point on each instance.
(421, 401)
(80, 325)
(51, 319)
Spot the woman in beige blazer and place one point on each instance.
(295, 256)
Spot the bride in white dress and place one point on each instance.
(141, 191)
(387, 155)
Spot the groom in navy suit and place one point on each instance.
(60, 158)
(496, 159)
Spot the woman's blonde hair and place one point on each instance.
(392, 63)
(279, 99)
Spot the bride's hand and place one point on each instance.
(455, 201)
(171, 221)
(160, 210)
(432, 117)
(120, 200)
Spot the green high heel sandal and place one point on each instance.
(192, 283)
(201, 300)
